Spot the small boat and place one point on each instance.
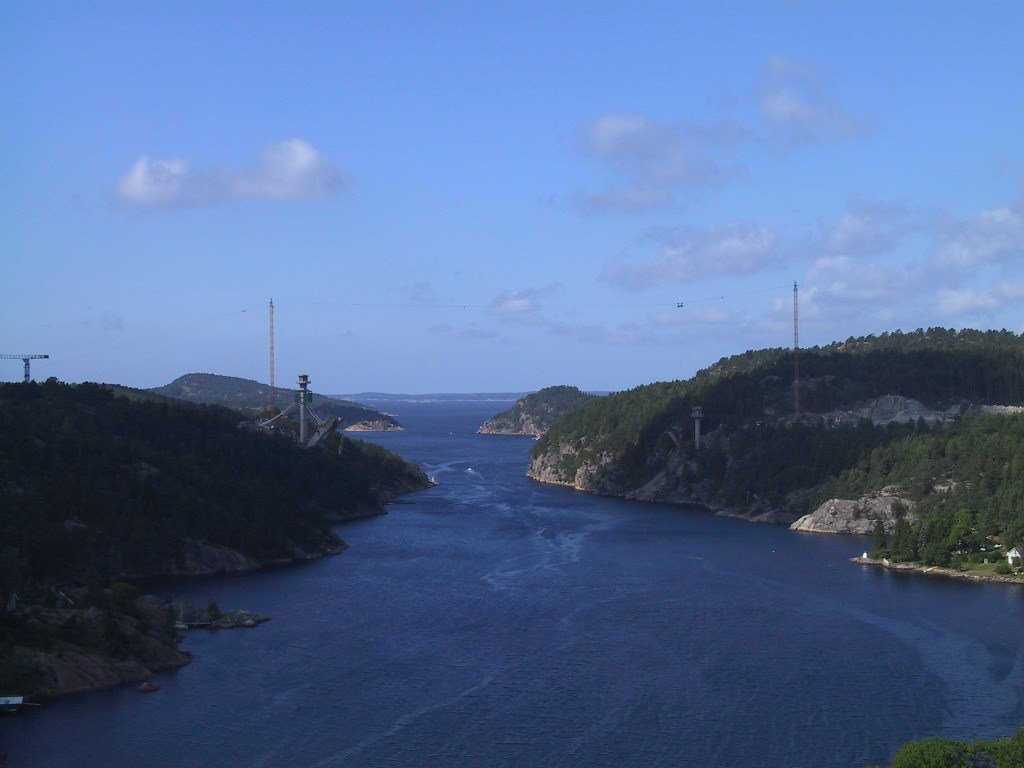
(148, 687)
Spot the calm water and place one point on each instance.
(497, 622)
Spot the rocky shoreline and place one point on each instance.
(830, 527)
(753, 514)
(91, 648)
(934, 570)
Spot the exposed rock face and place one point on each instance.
(79, 647)
(234, 619)
(104, 649)
(374, 425)
(675, 483)
(200, 558)
(535, 413)
(896, 408)
(858, 515)
(239, 619)
(1001, 410)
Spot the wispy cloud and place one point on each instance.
(108, 321)
(865, 286)
(868, 230)
(991, 237)
(955, 303)
(690, 253)
(290, 170)
(648, 160)
(521, 306)
(797, 107)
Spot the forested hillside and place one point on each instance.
(252, 398)
(96, 486)
(760, 461)
(535, 413)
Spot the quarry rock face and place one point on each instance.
(897, 409)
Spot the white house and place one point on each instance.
(1015, 557)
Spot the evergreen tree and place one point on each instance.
(878, 542)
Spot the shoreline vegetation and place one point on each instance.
(937, 752)
(935, 570)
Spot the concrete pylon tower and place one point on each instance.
(305, 397)
(698, 414)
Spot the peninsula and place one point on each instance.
(913, 437)
(535, 413)
(252, 397)
(99, 489)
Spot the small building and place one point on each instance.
(1015, 557)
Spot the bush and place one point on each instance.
(213, 610)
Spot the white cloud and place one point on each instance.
(796, 106)
(962, 301)
(855, 282)
(689, 253)
(953, 303)
(867, 231)
(290, 170)
(990, 237)
(649, 159)
(521, 306)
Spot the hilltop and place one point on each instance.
(251, 397)
(929, 419)
(535, 413)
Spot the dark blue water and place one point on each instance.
(497, 622)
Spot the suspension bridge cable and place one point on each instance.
(560, 305)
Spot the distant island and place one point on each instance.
(912, 438)
(535, 413)
(100, 488)
(252, 398)
(437, 397)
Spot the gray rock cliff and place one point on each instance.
(858, 515)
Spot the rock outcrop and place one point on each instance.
(858, 515)
(534, 414)
(374, 425)
(897, 409)
(74, 648)
(68, 645)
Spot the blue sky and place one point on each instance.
(499, 196)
